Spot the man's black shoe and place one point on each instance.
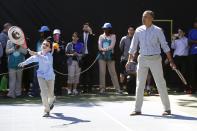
(165, 113)
(135, 113)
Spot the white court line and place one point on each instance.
(110, 117)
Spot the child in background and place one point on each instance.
(74, 51)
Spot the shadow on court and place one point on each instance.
(187, 103)
(72, 120)
(173, 116)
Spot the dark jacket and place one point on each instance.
(92, 45)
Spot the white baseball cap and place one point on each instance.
(56, 31)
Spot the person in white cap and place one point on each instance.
(59, 60)
(56, 31)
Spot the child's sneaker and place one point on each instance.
(46, 114)
(52, 105)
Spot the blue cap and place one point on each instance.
(44, 29)
(107, 26)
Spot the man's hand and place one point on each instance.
(172, 65)
(170, 59)
(130, 60)
(90, 30)
(127, 64)
(166, 62)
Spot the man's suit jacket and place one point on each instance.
(92, 45)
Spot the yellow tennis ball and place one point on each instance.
(55, 45)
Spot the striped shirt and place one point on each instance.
(150, 41)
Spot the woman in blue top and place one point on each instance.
(106, 45)
(74, 51)
(16, 54)
(45, 74)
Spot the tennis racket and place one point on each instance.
(180, 76)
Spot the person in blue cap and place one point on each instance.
(44, 33)
(34, 88)
(106, 44)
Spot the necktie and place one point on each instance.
(85, 42)
(86, 38)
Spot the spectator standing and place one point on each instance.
(3, 40)
(90, 52)
(106, 44)
(16, 54)
(44, 33)
(192, 38)
(181, 50)
(59, 61)
(124, 45)
(74, 51)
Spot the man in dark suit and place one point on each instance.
(90, 47)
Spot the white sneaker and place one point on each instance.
(119, 92)
(75, 92)
(69, 92)
(102, 91)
